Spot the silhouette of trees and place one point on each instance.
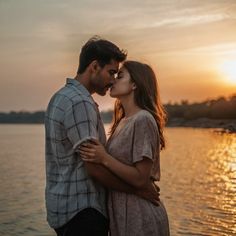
(220, 108)
(22, 117)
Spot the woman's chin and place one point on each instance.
(112, 94)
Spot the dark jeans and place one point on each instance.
(88, 222)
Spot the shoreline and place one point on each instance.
(221, 125)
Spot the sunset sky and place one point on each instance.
(191, 45)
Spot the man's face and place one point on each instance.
(105, 77)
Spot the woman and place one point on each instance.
(133, 148)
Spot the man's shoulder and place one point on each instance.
(67, 97)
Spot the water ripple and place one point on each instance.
(198, 183)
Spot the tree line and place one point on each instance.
(220, 108)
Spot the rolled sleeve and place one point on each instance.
(81, 122)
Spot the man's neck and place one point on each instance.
(84, 80)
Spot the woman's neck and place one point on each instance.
(129, 106)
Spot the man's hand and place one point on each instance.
(151, 193)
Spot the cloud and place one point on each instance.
(187, 21)
(222, 49)
(42, 39)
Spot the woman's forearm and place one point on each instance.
(137, 177)
(111, 181)
(107, 178)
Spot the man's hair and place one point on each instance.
(101, 50)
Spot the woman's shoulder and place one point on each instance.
(140, 120)
(143, 120)
(144, 116)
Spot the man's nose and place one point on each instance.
(113, 78)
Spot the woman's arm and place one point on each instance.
(150, 192)
(137, 175)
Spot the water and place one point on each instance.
(198, 183)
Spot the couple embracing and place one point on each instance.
(99, 187)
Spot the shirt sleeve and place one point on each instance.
(81, 121)
(145, 139)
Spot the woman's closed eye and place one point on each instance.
(112, 73)
(120, 75)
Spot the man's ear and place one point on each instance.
(94, 66)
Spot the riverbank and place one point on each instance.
(221, 125)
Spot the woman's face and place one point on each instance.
(122, 86)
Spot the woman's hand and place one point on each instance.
(93, 151)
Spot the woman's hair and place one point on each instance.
(146, 96)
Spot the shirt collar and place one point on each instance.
(79, 86)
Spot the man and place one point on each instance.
(75, 194)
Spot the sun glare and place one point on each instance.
(228, 68)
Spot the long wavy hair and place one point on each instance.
(146, 96)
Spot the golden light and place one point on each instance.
(228, 68)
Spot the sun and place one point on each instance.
(228, 68)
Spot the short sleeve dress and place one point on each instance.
(135, 138)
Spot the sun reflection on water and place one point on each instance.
(221, 183)
(199, 182)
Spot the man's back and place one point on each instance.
(71, 118)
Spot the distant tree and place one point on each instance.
(220, 108)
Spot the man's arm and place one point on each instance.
(76, 124)
(82, 126)
(110, 181)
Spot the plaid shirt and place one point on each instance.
(72, 116)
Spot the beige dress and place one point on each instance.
(130, 215)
